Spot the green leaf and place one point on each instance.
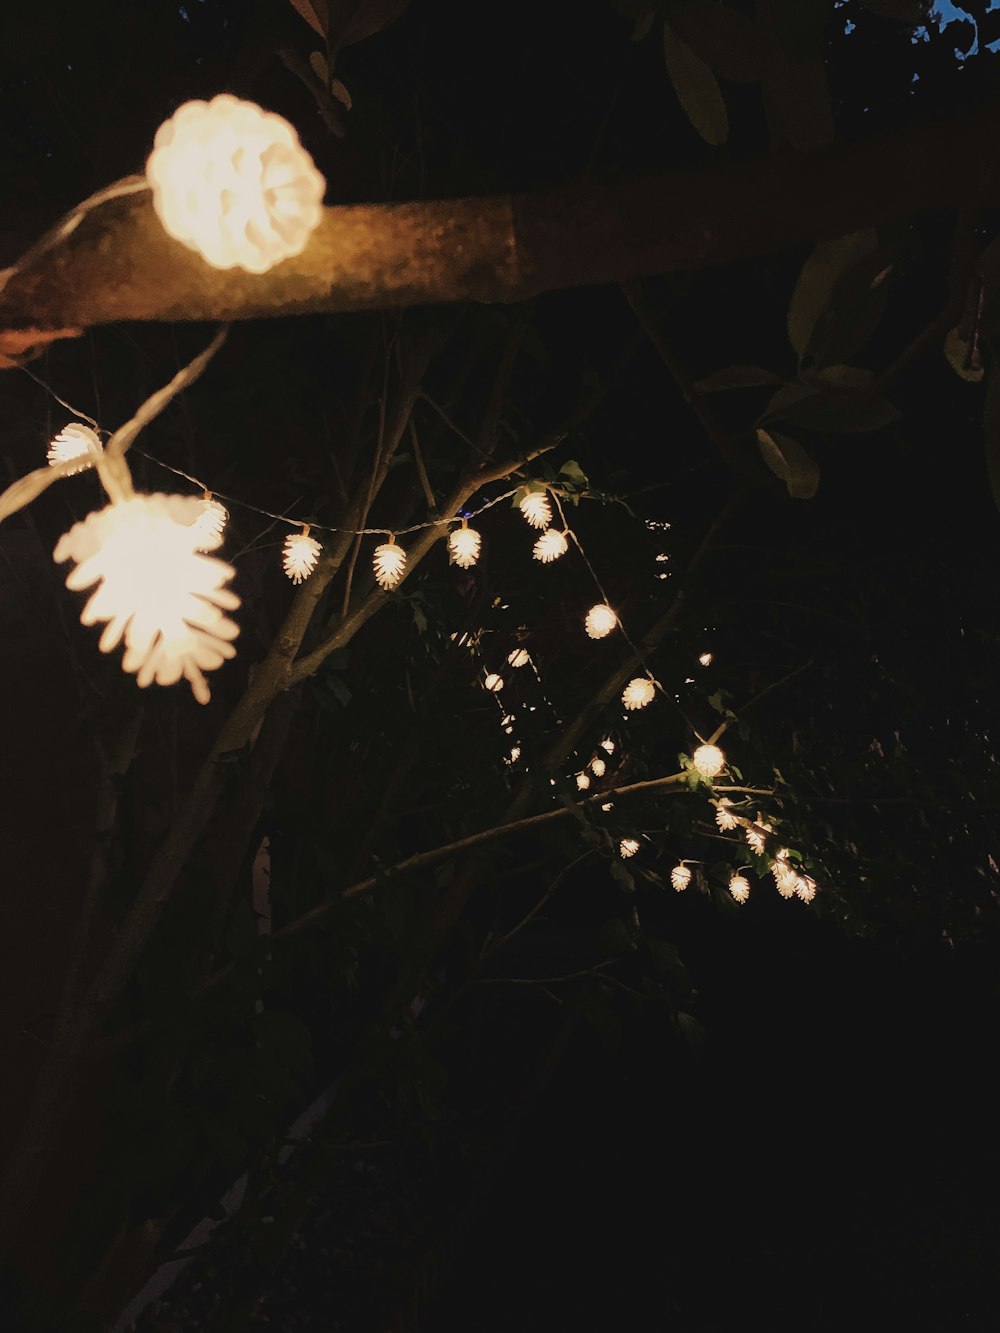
(816, 281)
(726, 40)
(736, 377)
(697, 89)
(788, 460)
(572, 472)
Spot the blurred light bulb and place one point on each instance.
(600, 621)
(680, 877)
(638, 693)
(708, 761)
(739, 887)
(75, 441)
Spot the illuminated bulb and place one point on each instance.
(74, 441)
(680, 878)
(157, 594)
(638, 693)
(628, 847)
(708, 761)
(518, 658)
(608, 745)
(705, 659)
(550, 546)
(463, 546)
(209, 524)
(582, 781)
(299, 555)
(756, 836)
(600, 621)
(785, 879)
(493, 683)
(234, 183)
(389, 562)
(598, 767)
(739, 888)
(608, 805)
(515, 754)
(806, 888)
(723, 818)
(536, 509)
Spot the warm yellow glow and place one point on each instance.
(519, 658)
(155, 592)
(515, 754)
(464, 544)
(600, 621)
(598, 767)
(550, 546)
(680, 877)
(628, 847)
(638, 693)
(582, 781)
(234, 183)
(75, 441)
(724, 818)
(708, 761)
(705, 659)
(493, 683)
(805, 888)
(536, 509)
(389, 563)
(756, 835)
(739, 887)
(300, 555)
(608, 745)
(608, 805)
(210, 524)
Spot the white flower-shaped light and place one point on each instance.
(75, 441)
(210, 524)
(638, 693)
(519, 658)
(389, 562)
(464, 544)
(600, 621)
(598, 767)
(608, 745)
(156, 592)
(785, 878)
(299, 555)
(805, 888)
(550, 546)
(628, 847)
(739, 887)
(536, 509)
(234, 183)
(724, 818)
(680, 877)
(705, 659)
(756, 835)
(493, 683)
(708, 761)
(582, 781)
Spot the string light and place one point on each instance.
(785, 878)
(739, 887)
(232, 182)
(389, 563)
(705, 659)
(680, 877)
(600, 621)
(157, 594)
(638, 693)
(805, 888)
(756, 835)
(210, 524)
(628, 847)
(550, 546)
(464, 544)
(598, 767)
(582, 781)
(519, 658)
(608, 745)
(708, 761)
(75, 441)
(536, 509)
(608, 805)
(300, 554)
(493, 683)
(725, 820)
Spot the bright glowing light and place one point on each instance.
(299, 555)
(608, 745)
(638, 693)
(739, 887)
(234, 183)
(805, 888)
(608, 805)
(389, 563)
(550, 546)
(600, 621)
(75, 441)
(464, 544)
(598, 767)
(518, 658)
(708, 761)
(582, 781)
(705, 659)
(628, 847)
(725, 820)
(493, 683)
(536, 509)
(785, 878)
(515, 754)
(210, 524)
(155, 592)
(756, 835)
(680, 877)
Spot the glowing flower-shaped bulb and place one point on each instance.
(550, 546)
(464, 544)
(582, 781)
(519, 658)
(156, 593)
(708, 761)
(600, 621)
(739, 887)
(74, 441)
(785, 878)
(389, 563)
(756, 835)
(638, 693)
(806, 888)
(536, 509)
(234, 183)
(598, 767)
(210, 524)
(724, 818)
(300, 555)
(628, 847)
(680, 877)
(705, 659)
(608, 745)
(493, 683)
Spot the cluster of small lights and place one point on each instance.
(300, 555)
(639, 692)
(680, 877)
(75, 442)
